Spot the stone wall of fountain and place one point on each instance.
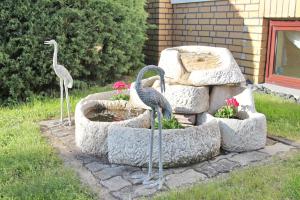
(199, 79)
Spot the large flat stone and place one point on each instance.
(185, 178)
(180, 146)
(276, 149)
(96, 166)
(222, 68)
(248, 157)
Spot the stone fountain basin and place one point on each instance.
(129, 146)
(91, 136)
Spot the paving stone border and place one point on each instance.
(113, 182)
(265, 90)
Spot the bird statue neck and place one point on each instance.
(138, 83)
(55, 55)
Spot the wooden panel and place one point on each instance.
(297, 9)
(285, 8)
(267, 8)
(279, 8)
(292, 8)
(273, 8)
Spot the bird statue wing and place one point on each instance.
(65, 75)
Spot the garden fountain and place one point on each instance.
(198, 81)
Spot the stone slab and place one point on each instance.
(185, 178)
(115, 183)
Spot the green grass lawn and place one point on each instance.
(283, 116)
(30, 168)
(280, 180)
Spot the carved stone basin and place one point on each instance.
(180, 146)
(91, 134)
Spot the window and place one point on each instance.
(283, 64)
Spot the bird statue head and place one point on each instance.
(50, 42)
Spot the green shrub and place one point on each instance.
(79, 27)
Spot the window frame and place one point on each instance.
(270, 76)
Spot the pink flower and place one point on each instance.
(120, 85)
(232, 102)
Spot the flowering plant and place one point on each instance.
(230, 110)
(120, 86)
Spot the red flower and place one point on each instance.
(232, 102)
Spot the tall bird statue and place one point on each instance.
(66, 80)
(158, 104)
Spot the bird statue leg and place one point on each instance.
(150, 150)
(160, 180)
(142, 178)
(160, 159)
(61, 99)
(68, 105)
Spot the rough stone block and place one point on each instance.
(247, 134)
(187, 99)
(180, 146)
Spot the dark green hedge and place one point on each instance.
(119, 26)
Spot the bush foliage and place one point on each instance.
(99, 40)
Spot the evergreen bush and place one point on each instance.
(99, 40)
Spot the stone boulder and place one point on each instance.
(186, 99)
(181, 147)
(200, 65)
(91, 136)
(246, 134)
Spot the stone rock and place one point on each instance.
(243, 135)
(171, 63)
(135, 101)
(276, 149)
(96, 166)
(185, 119)
(222, 69)
(115, 183)
(111, 172)
(187, 99)
(185, 178)
(243, 95)
(248, 157)
(224, 165)
(180, 146)
(90, 136)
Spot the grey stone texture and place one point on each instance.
(91, 135)
(186, 99)
(185, 178)
(180, 146)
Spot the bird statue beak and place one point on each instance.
(47, 42)
(163, 86)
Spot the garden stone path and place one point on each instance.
(110, 181)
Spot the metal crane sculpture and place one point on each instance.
(66, 80)
(160, 105)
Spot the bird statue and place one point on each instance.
(65, 78)
(160, 105)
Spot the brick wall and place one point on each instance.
(239, 25)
